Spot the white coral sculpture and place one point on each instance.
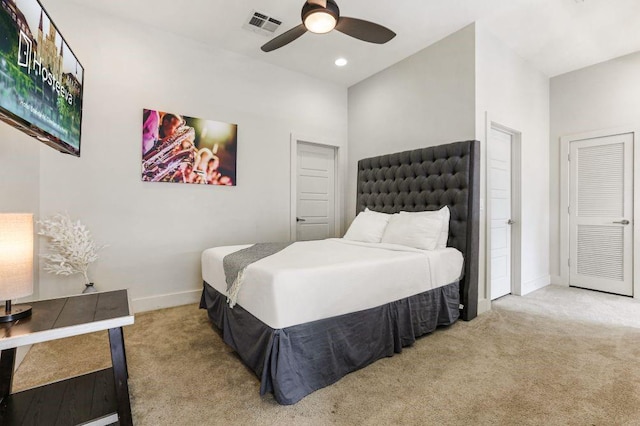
(71, 244)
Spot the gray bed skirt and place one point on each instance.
(293, 362)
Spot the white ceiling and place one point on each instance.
(556, 36)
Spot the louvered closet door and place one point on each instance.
(600, 214)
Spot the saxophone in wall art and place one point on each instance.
(181, 149)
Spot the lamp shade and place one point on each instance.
(16, 255)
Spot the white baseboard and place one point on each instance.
(536, 284)
(162, 301)
(556, 280)
(484, 305)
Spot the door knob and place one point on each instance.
(622, 222)
(300, 220)
(511, 222)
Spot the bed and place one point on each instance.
(314, 311)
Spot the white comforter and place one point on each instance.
(312, 280)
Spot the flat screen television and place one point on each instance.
(40, 77)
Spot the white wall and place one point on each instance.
(20, 190)
(19, 178)
(20, 171)
(424, 100)
(599, 97)
(516, 95)
(156, 231)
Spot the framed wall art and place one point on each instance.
(181, 149)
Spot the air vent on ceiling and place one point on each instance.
(262, 24)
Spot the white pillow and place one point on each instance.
(367, 227)
(419, 231)
(445, 216)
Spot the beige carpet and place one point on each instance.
(521, 363)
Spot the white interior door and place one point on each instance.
(600, 214)
(315, 197)
(499, 165)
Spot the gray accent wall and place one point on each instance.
(442, 94)
(427, 99)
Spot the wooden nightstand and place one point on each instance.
(101, 397)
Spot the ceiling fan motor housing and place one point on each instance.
(311, 8)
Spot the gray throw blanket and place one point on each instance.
(235, 263)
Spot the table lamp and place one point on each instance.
(16, 263)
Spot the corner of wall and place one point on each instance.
(523, 107)
(484, 305)
(536, 284)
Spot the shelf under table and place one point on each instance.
(78, 400)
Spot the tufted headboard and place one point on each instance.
(428, 179)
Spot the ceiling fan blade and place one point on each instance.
(364, 30)
(284, 38)
(321, 3)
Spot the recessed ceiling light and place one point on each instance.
(341, 62)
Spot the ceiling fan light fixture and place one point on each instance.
(318, 19)
(322, 16)
(320, 22)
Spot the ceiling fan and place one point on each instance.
(322, 16)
